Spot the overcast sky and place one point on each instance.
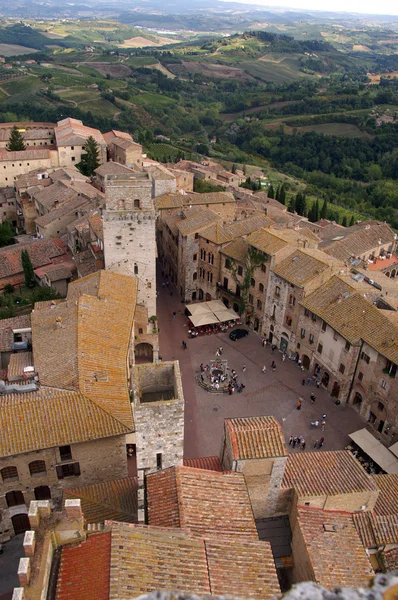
(386, 7)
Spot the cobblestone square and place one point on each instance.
(271, 393)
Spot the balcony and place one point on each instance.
(227, 291)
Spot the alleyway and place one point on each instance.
(271, 393)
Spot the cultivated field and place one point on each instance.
(214, 70)
(14, 50)
(284, 70)
(112, 69)
(339, 129)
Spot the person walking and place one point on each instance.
(323, 425)
(273, 365)
(294, 442)
(220, 350)
(309, 379)
(321, 442)
(230, 389)
(290, 440)
(299, 405)
(264, 342)
(174, 314)
(244, 368)
(316, 443)
(303, 444)
(283, 357)
(264, 369)
(318, 383)
(217, 352)
(184, 345)
(312, 397)
(324, 416)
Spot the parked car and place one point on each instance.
(237, 334)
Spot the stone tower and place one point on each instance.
(129, 232)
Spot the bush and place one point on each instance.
(9, 288)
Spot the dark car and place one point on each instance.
(238, 333)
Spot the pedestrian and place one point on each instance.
(316, 423)
(264, 342)
(202, 378)
(303, 382)
(202, 367)
(294, 442)
(299, 405)
(220, 350)
(309, 379)
(323, 425)
(318, 383)
(290, 440)
(302, 369)
(244, 368)
(273, 365)
(230, 389)
(167, 283)
(321, 441)
(316, 443)
(264, 369)
(324, 416)
(312, 424)
(273, 348)
(299, 362)
(174, 314)
(303, 444)
(217, 352)
(312, 397)
(184, 346)
(283, 357)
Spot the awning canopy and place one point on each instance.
(375, 450)
(207, 318)
(394, 449)
(216, 308)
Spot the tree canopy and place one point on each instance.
(90, 160)
(16, 141)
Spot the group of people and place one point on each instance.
(228, 382)
(299, 442)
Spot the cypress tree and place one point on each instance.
(298, 203)
(233, 170)
(282, 195)
(324, 209)
(303, 205)
(316, 211)
(344, 221)
(292, 205)
(89, 161)
(16, 141)
(277, 193)
(271, 192)
(28, 269)
(352, 221)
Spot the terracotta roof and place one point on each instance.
(109, 500)
(41, 252)
(84, 570)
(387, 502)
(39, 154)
(242, 569)
(18, 362)
(199, 220)
(210, 198)
(126, 144)
(236, 250)
(68, 207)
(326, 474)
(96, 224)
(52, 417)
(220, 234)
(203, 503)
(376, 530)
(334, 548)
(300, 268)
(211, 463)
(354, 317)
(154, 559)
(255, 437)
(172, 222)
(67, 174)
(114, 133)
(160, 173)
(267, 242)
(165, 201)
(6, 330)
(157, 558)
(358, 240)
(391, 558)
(72, 131)
(86, 263)
(48, 195)
(112, 168)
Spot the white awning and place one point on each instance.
(375, 450)
(226, 315)
(394, 449)
(207, 318)
(197, 309)
(215, 308)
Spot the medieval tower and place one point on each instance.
(129, 232)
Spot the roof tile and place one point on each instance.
(255, 437)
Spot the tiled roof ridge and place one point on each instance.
(330, 510)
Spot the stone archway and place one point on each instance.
(143, 353)
(393, 273)
(306, 361)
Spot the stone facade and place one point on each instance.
(159, 416)
(99, 460)
(129, 232)
(13, 164)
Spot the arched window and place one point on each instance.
(137, 203)
(261, 287)
(37, 466)
(135, 270)
(195, 276)
(140, 330)
(9, 473)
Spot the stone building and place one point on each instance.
(15, 334)
(129, 232)
(327, 549)
(159, 416)
(8, 206)
(75, 425)
(71, 138)
(13, 164)
(163, 180)
(255, 446)
(123, 149)
(153, 558)
(34, 134)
